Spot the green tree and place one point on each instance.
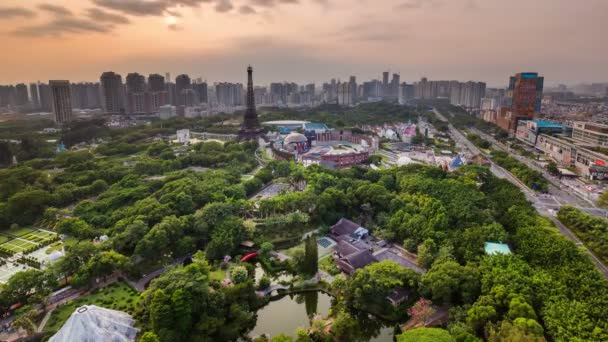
(266, 248)
(239, 274)
(425, 335)
(182, 312)
(26, 206)
(311, 256)
(346, 328)
(161, 316)
(264, 283)
(373, 283)
(552, 168)
(426, 253)
(282, 338)
(27, 321)
(149, 336)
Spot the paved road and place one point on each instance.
(562, 193)
(141, 284)
(545, 205)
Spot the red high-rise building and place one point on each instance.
(524, 100)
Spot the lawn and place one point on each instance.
(117, 296)
(17, 246)
(55, 246)
(3, 239)
(39, 236)
(20, 231)
(218, 275)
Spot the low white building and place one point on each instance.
(183, 136)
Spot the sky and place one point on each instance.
(305, 40)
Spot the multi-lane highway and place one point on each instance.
(545, 204)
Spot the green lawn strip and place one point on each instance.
(20, 231)
(117, 296)
(218, 274)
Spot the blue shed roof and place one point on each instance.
(492, 248)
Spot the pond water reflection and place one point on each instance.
(291, 312)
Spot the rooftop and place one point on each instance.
(284, 122)
(542, 123)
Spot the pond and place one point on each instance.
(287, 314)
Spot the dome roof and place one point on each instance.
(295, 138)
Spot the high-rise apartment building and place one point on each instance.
(345, 94)
(85, 95)
(385, 89)
(156, 83)
(229, 94)
(34, 95)
(46, 97)
(158, 95)
(201, 91)
(22, 97)
(310, 88)
(112, 92)
(136, 94)
(371, 90)
(523, 100)
(62, 101)
(352, 88)
(182, 84)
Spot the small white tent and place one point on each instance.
(91, 323)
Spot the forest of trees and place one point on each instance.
(593, 231)
(547, 288)
(532, 178)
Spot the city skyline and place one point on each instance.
(303, 41)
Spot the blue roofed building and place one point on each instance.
(316, 127)
(493, 248)
(529, 130)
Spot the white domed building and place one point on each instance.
(296, 143)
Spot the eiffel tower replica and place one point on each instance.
(251, 129)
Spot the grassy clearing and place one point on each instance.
(55, 246)
(18, 245)
(218, 275)
(20, 231)
(117, 296)
(39, 236)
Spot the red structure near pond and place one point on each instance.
(249, 256)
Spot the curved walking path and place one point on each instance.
(269, 290)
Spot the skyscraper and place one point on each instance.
(46, 97)
(112, 93)
(136, 97)
(182, 83)
(21, 93)
(200, 89)
(34, 95)
(229, 94)
(394, 87)
(352, 86)
(156, 83)
(62, 101)
(524, 97)
(251, 128)
(158, 94)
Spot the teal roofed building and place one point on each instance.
(493, 248)
(315, 126)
